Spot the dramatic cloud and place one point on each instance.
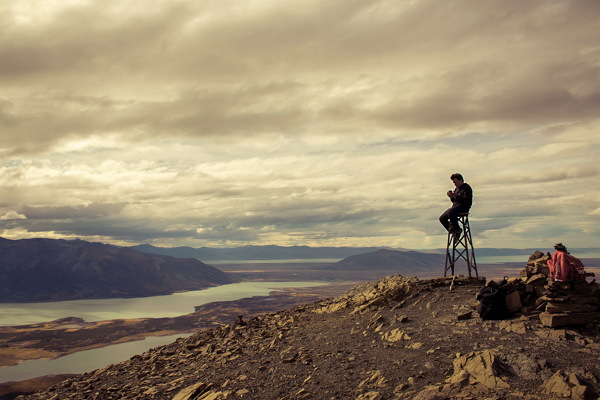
(291, 123)
(12, 215)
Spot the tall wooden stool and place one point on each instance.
(461, 248)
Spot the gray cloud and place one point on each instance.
(296, 123)
(129, 231)
(91, 211)
(275, 69)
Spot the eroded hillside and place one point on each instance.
(40, 270)
(397, 338)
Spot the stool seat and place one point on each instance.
(461, 247)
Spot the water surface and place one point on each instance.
(84, 361)
(102, 309)
(172, 305)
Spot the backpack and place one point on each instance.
(492, 301)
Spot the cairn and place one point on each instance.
(555, 303)
(570, 303)
(536, 275)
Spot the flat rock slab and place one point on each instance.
(563, 319)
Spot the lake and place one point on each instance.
(84, 361)
(102, 309)
(139, 307)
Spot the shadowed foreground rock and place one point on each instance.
(397, 338)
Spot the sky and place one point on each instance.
(319, 123)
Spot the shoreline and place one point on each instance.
(54, 339)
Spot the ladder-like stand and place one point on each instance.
(461, 248)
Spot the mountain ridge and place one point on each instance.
(265, 252)
(35, 270)
(275, 252)
(406, 262)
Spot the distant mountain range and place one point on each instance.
(208, 254)
(256, 252)
(36, 270)
(403, 262)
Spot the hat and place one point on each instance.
(560, 247)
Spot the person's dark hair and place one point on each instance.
(561, 247)
(457, 176)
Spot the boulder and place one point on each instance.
(395, 335)
(192, 391)
(537, 280)
(482, 368)
(569, 387)
(563, 319)
(553, 307)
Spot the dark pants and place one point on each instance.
(450, 217)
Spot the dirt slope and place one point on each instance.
(396, 338)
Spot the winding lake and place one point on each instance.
(171, 305)
(84, 361)
(102, 309)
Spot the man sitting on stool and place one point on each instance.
(462, 199)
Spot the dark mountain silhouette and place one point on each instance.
(255, 252)
(391, 260)
(33, 270)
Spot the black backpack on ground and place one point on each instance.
(492, 301)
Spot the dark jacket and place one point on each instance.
(464, 196)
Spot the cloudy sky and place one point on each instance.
(322, 123)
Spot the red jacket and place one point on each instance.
(564, 267)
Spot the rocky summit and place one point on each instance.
(397, 338)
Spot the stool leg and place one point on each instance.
(470, 254)
(461, 248)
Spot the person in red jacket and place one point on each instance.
(462, 200)
(564, 267)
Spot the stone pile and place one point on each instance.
(570, 303)
(536, 271)
(533, 281)
(555, 303)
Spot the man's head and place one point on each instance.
(457, 179)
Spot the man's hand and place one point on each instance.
(450, 194)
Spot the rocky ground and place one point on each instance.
(69, 335)
(397, 338)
